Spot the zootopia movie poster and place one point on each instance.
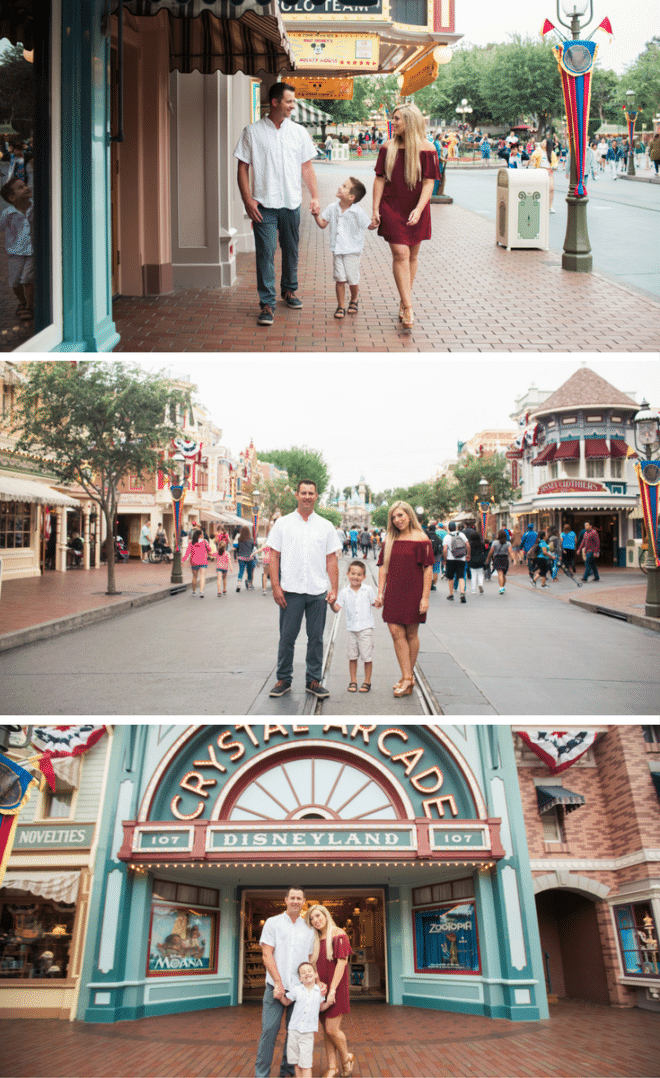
(446, 940)
(182, 940)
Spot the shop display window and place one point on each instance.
(35, 939)
(446, 939)
(443, 892)
(183, 930)
(638, 939)
(15, 525)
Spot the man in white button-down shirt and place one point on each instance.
(281, 154)
(303, 548)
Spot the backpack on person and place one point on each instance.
(458, 547)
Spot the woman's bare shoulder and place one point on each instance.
(338, 932)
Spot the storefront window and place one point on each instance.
(595, 469)
(616, 469)
(15, 524)
(35, 939)
(446, 939)
(638, 939)
(183, 931)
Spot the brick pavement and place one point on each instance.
(579, 1039)
(470, 296)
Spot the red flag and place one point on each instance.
(546, 28)
(605, 25)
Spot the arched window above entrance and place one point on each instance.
(313, 788)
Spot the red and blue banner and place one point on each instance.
(575, 60)
(648, 474)
(558, 748)
(15, 788)
(59, 742)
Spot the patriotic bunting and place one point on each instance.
(58, 742)
(558, 748)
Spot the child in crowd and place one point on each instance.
(308, 1001)
(199, 552)
(515, 160)
(16, 223)
(357, 600)
(265, 568)
(221, 565)
(348, 228)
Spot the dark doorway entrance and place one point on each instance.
(570, 940)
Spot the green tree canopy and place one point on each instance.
(521, 78)
(300, 463)
(437, 498)
(96, 423)
(495, 470)
(644, 78)
(329, 513)
(277, 496)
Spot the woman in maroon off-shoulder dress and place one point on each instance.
(406, 170)
(330, 958)
(404, 585)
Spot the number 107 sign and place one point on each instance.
(459, 838)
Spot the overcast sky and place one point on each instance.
(634, 22)
(393, 421)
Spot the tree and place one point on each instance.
(521, 78)
(328, 513)
(346, 112)
(96, 422)
(16, 86)
(300, 463)
(437, 498)
(605, 96)
(277, 496)
(643, 76)
(495, 470)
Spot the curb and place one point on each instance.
(622, 615)
(49, 629)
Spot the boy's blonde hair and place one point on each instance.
(413, 144)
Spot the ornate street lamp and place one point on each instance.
(178, 493)
(647, 441)
(483, 501)
(631, 114)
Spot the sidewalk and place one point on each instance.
(470, 296)
(579, 1039)
(40, 608)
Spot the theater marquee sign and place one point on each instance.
(336, 792)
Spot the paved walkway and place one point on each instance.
(579, 1039)
(39, 608)
(470, 296)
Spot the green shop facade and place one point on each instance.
(412, 836)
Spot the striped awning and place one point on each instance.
(309, 116)
(546, 455)
(619, 449)
(568, 451)
(26, 490)
(60, 886)
(596, 449)
(550, 796)
(221, 35)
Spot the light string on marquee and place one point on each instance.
(575, 60)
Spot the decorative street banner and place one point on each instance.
(322, 89)
(62, 742)
(358, 51)
(648, 474)
(556, 748)
(15, 788)
(446, 940)
(420, 74)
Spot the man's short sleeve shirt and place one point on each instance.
(277, 155)
(303, 546)
(293, 942)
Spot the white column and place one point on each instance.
(86, 550)
(203, 180)
(60, 546)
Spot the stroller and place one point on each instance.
(121, 553)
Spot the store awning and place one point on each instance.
(309, 116)
(546, 455)
(619, 449)
(60, 886)
(550, 796)
(568, 451)
(596, 449)
(26, 490)
(220, 35)
(206, 515)
(231, 518)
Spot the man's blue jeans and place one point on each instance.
(271, 1020)
(590, 567)
(314, 608)
(286, 224)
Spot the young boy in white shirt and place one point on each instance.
(308, 1001)
(357, 599)
(348, 229)
(16, 223)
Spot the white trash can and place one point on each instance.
(522, 208)
(339, 150)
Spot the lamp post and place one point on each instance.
(178, 493)
(483, 501)
(647, 441)
(631, 114)
(577, 248)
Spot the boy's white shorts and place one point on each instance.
(300, 1049)
(346, 268)
(361, 645)
(20, 269)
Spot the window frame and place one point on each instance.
(623, 951)
(418, 912)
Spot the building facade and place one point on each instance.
(412, 836)
(594, 845)
(44, 897)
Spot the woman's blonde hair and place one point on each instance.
(393, 532)
(413, 143)
(333, 930)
